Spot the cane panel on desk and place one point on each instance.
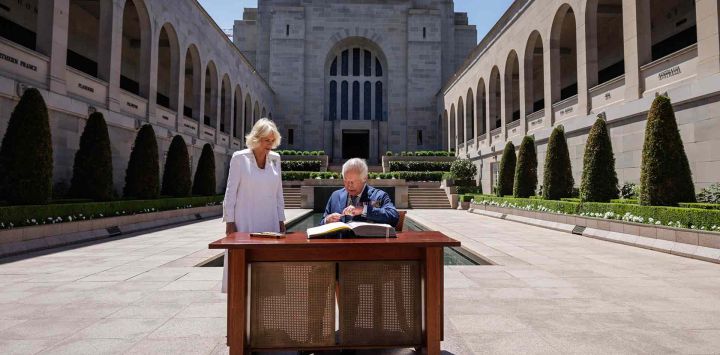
(293, 304)
(380, 303)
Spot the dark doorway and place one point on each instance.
(356, 144)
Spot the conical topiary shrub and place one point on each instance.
(142, 176)
(176, 175)
(92, 171)
(506, 176)
(599, 180)
(557, 179)
(665, 177)
(26, 154)
(526, 169)
(204, 182)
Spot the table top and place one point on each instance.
(299, 240)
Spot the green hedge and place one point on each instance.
(625, 200)
(407, 175)
(302, 175)
(420, 175)
(705, 206)
(685, 216)
(301, 152)
(474, 190)
(420, 166)
(43, 214)
(302, 165)
(425, 153)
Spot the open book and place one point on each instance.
(357, 229)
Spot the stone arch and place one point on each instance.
(495, 99)
(563, 54)
(225, 104)
(237, 113)
(605, 41)
(263, 113)
(256, 112)
(673, 26)
(193, 83)
(211, 95)
(452, 136)
(481, 107)
(84, 36)
(470, 115)
(355, 80)
(135, 51)
(168, 69)
(512, 88)
(461, 137)
(247, 115)
(534, 75)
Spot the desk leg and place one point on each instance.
(433, 300)
(237, 301)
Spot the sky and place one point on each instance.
(482, 13)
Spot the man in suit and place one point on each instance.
(358, 201)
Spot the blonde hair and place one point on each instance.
(262, 128)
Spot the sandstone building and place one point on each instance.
(356, 77)
(163, 62)
(567, 62)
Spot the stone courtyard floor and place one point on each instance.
(549, 292)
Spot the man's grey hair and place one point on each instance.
(357, 165)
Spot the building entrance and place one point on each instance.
(355, 144)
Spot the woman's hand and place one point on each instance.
(331, 218)
(282, 227)
(230, 228)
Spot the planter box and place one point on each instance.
(693, 237)
(322, 158)
(25, 239)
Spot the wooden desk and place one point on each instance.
(424, 247)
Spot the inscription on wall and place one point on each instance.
(86, 88)
(669, 73)
(130, 104)
(18, 62)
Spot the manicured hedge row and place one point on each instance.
(301, 152)
(17, 216)
(705, 206)
(678, 216)
(422, 153)
(302, 175)
(301, 165)
(420, 166)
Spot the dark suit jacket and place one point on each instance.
(380, 208)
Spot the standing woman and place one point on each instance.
(254, 196)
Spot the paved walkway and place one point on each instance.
(554, 292)
(551, 292)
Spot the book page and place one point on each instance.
(327, 229)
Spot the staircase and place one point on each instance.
(430, 198)
(292, 197)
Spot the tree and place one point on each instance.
(26, 153)
(92, 171)
(526, 170)
(557, 179)
(204, 182)
(665, 177)
(142, 176)
(506, 176)
(599, 179)
(176, 175)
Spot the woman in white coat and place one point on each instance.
(254, 196)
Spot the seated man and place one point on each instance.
(358, 201)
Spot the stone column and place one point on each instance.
(582, 65)
(110, 48)
(231, 117)
(708, 39)
(201, 105)
(52, 40)
(522, 91)
(180, 72)
(152, 73)
(549, 69)
(637, 44)
(503, 102)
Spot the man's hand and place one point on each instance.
(282, 227)
(335, 217)
(230, 228)
(353, 210)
